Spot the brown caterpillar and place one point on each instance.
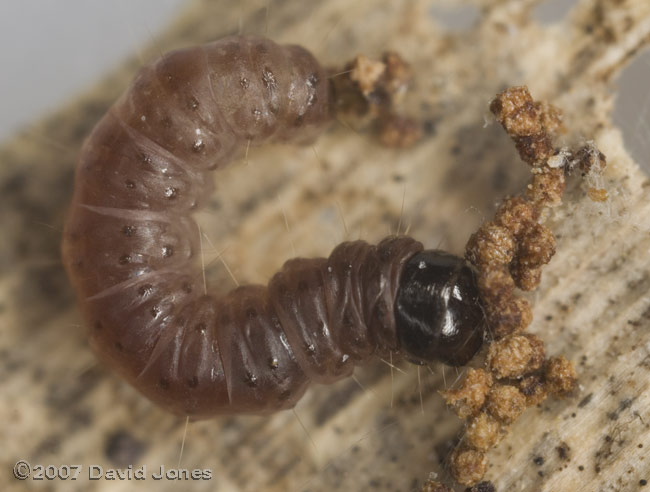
(130, 240)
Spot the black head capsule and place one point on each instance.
(438, 314)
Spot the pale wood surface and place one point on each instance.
(58, 406)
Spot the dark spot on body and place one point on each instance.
(145, 289)
(171, 193)
(384, 253)
(251, 379)
(192, 103)
(269, 79)
(312, 80)
(198, 145)
(381, 309)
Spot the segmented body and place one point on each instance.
(130, 242)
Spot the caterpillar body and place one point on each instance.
(130, 244)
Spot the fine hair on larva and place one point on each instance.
(131, 244)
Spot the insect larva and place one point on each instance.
(130, 242)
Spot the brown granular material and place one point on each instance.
(506, 403)
(509, 253)
(526, 278)
(515, 213)
(535, 246)
(468, 465)
(506, 313)
(482, 432)
(470, 397)
(525, 312)
(560, 376)
(491, 245)
(510, 250)
(534, 389)
(546, 188)
(515, 355)
(496, 283)
(528, 123)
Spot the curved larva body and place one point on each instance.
(130, 240)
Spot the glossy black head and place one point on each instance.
(438, 314)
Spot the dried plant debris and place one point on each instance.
(367, 91)
(509, 253)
